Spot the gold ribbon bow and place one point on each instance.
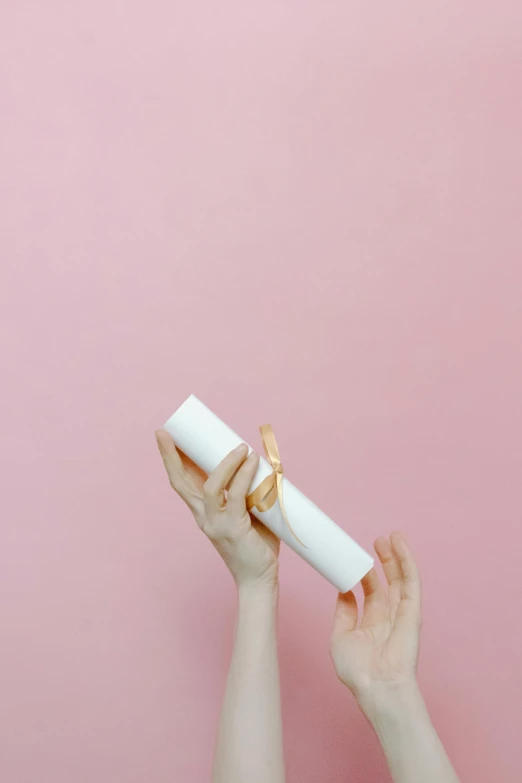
(271, 488)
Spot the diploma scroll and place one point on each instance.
(206, 440)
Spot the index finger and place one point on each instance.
(175, 469)
(221, 476)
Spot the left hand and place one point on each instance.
(378, 659)
(218, 503)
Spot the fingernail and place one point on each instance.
(253, 455)
(241, 447)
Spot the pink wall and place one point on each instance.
(307, 212)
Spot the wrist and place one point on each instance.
(266, 583)
(257, 606)
(258, 592)
(391, 702)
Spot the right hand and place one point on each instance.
(248, 548)
(379, 658)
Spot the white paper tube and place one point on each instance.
(206, 440)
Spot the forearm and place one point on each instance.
(249, 746)
(410, 743)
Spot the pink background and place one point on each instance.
(306, 212)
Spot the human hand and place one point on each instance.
(218, 503)
(379, 658)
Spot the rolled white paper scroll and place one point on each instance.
(206, 440)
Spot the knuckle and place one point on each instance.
(209, 530)
(228, 533)
(234, 532)
(218, 535)
(235, 494)
(175, 483)
(239, 527)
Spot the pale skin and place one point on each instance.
(375, 655)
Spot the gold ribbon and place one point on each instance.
(271, 488)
